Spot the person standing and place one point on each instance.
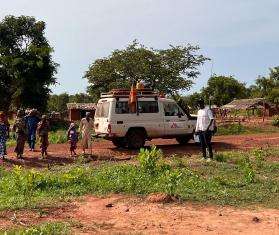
(72, 135)
(204, 129)
(43, 130)
(86, 128)
(4, 133)
(32, 123)
(20, 128)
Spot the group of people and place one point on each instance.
(26, 127)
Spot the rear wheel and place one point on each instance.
(119, 142)
(136, 139)
(184, 139)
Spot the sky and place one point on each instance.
(240, 36)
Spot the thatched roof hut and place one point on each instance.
(244, 104)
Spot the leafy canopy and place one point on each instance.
(222, 90)
(267, 87)
(169, 70)
(26, 66)
(58, 103)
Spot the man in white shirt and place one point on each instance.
(204, 129)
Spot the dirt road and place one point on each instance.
(131, 215)
(105, 150)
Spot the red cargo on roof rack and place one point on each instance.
(124, 93)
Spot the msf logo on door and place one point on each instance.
(174, 125)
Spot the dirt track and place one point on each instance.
(131, 215)
(105, 150)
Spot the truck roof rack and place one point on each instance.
(125, 93)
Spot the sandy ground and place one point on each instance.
(131, 215)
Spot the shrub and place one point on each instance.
(220, 157)
(275, 121)
(247, 168)
(148, 159)
(231, 129)
(58, 137)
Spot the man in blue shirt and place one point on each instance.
(32, 122)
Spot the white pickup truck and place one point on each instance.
(156, 117)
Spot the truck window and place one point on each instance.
(172, 109)
(122, 107)
(102, 110)
(143, 107)
(148, 107)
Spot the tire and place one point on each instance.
(136, 139)
(119, 142)
(184, 139)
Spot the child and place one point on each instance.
(73, 138)
(43, 129)
(4, 132)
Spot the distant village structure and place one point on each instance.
(241, 110)
(77, 111)
(251, 105)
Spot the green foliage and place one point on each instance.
(58, 137)
(231, 129)
(239, 129)
(26, 66)
(275, 121)
(236, 181)
(58, 103)
(220, 157)
(148, 159)
(43, 229)
(222, 90)
(169, 70)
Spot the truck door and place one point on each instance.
(175, 120)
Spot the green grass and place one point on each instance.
(239, 129)
(43, 229)
(237, 178)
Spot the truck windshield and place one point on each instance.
(102, 110)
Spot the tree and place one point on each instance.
(192, 100)
(266, 87)
(26, 66)
(170, 71)
(58, 103)
(80, 98)
(222, 90)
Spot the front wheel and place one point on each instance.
(184, 139)
(136, 139)
(119, 142)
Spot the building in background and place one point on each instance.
(77, 111)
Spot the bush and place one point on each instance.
(275, 121)
(231, 129)
(148, 159)
(58, 137)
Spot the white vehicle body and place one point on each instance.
(156, 118)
